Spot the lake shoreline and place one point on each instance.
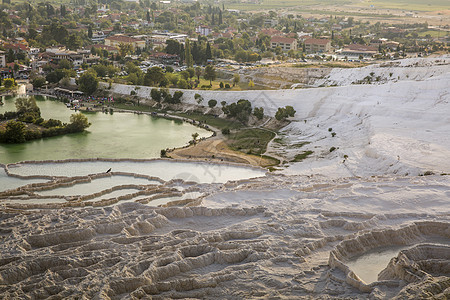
(212, 148)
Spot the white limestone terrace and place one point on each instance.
(398, 125)
(287, 234)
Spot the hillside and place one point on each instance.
(396, 125)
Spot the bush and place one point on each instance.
(227, 85)
(51, 123)
(38, 82)
(332, 149)
(226, 131)
(258, 112)
(163, 153)
(221, 85)
(156, 95)
(330, 129)
(32, 135)
(333, 134)
(284, 112)
(15, 132)
(212, 103)
(240, 110)
(8, 115)
(9, 83)
(78, 122)
(177, 97)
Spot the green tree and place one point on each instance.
(208, 54)
(212, 103)
(236, 79)
(284, 112)
(14, 132)
(74, 42)
(198, 72)
(78, 122)
(38, 82)
(188, 56)
(240, 110)
(125, 48)
(27, 105)
(154, 76)
(258, 112)
(184, 74)
(176, 98)
(173, 47)
(210, 74)
(191, 72)
(195, 137)
(156, 95)
(88, 82)
(9, 83)
(65, 64)
(182, 84)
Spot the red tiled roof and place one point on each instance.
(358, 47)
(317, 41)
(280, 39)
(124, 39)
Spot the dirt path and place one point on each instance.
(215, 149)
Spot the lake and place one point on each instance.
(120, 135)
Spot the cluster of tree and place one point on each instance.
(284, 112)
(163, 95)
(199, 52)
(27, 112)
(240, 110)
(88, 82)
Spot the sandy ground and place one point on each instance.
(216, 149)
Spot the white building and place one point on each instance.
(2, 59)
(203, 30)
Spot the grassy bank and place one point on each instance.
(250, 141)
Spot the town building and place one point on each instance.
(357, 50)
(203, 30)
(285, 43)
(98, 37)
(2, 59)
(116, 40)
(317, 45)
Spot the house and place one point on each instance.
(17, 47)
(116, 40)
(317, 45)
(270, 31)
(377, 42)
(165, 57)
(2, 59)
(357, 50)
(392, 45)
(98, 37)
(270, 22)
(285, 43)
(104, 47)
(303, 36)
(203, 30)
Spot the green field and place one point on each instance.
(307, 5)
(408, 5)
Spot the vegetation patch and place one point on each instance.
(298, 145)
(251, 141)
(211, 120)
(301, 156)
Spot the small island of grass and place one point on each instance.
(26, 123)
